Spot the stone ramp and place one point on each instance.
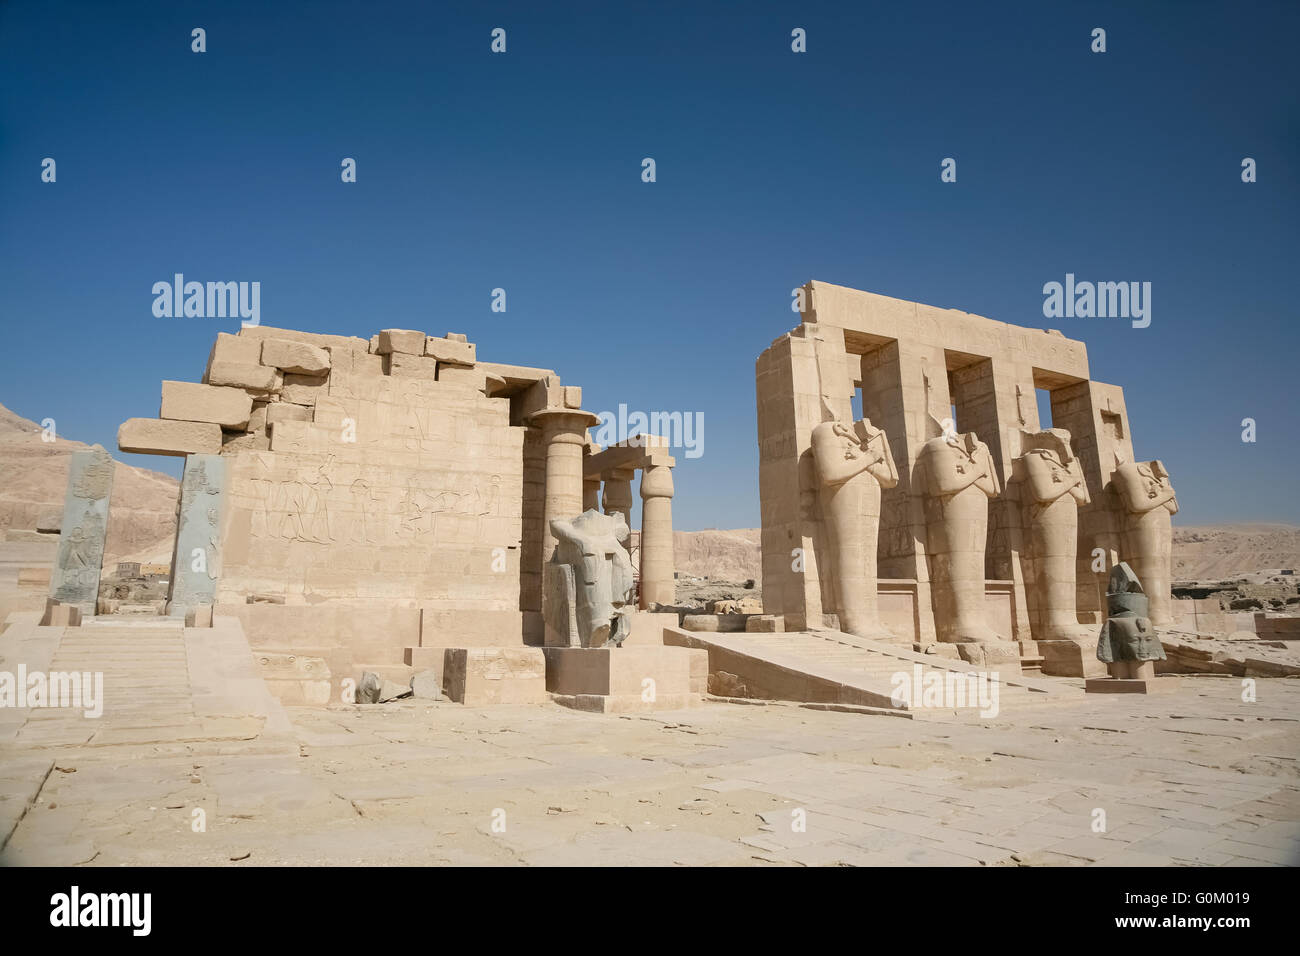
(831, 667)
(163, 684)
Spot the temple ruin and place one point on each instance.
(388, 506)
(944, 514)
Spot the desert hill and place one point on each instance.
(34, 478)
(1201, 553)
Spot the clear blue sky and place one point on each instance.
(522, 171)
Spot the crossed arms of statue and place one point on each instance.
(842, 453)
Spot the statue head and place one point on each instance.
(1055, 441)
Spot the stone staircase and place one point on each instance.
(1031, 660)
(828, 666)
(159, 687)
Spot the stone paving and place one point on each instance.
(1194, 777)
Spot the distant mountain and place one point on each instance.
(1212, 552)
(1204, 553)
(34, 479)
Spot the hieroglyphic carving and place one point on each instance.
(75, 576)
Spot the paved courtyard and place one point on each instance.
(1195, 777)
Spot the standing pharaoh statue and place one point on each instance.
(853, 463)
(1052, 488)
(1147, 499)
(960, 478)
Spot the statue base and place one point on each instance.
(626, 679)
(1071, 658)
(1128, 677)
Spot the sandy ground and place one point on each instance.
(1192, 777)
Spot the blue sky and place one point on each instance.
(523, 171)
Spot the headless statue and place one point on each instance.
(1051, 490)
(591, 580)
(853, 463)
(960, 480)
(1146, 535)
(1128, 640)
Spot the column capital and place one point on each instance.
(656, 481)
(564, 423)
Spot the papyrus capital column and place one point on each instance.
(564, 436)
(657, 585)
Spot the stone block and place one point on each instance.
(1126, 685)
(34, 578)
(302, 389)
(765, 624)
(450, 351)
(190, 402)
(403, 341)
(1070, 659)
(442, 628)
(407, 365)
(232, 443)
(647, 627)
(50, 522)
(460, 376)
(234, 350)
(629, 678)
(152, 436)
(258, 378)
(287, 412)
(715, 622)
(58, 614)
(427, 685)
(495, 675)
(1000, 656)
(572, 396)
(199, 616)
(296, 357)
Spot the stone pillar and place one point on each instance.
(1051, 489)
(617, 497)
(853, 463)
(657, 585)
(196, 561)
(564, 438)
(1148, 500)
(590, 494)
(75, 576)
(960, 480)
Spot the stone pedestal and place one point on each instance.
(494, 675)
(657, 585)
(627, 679)
(1128, 677)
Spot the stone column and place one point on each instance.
(75, 577)
(590, 494)
(196, 562)
(564, 437)
(617, 497)
(657, 585)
